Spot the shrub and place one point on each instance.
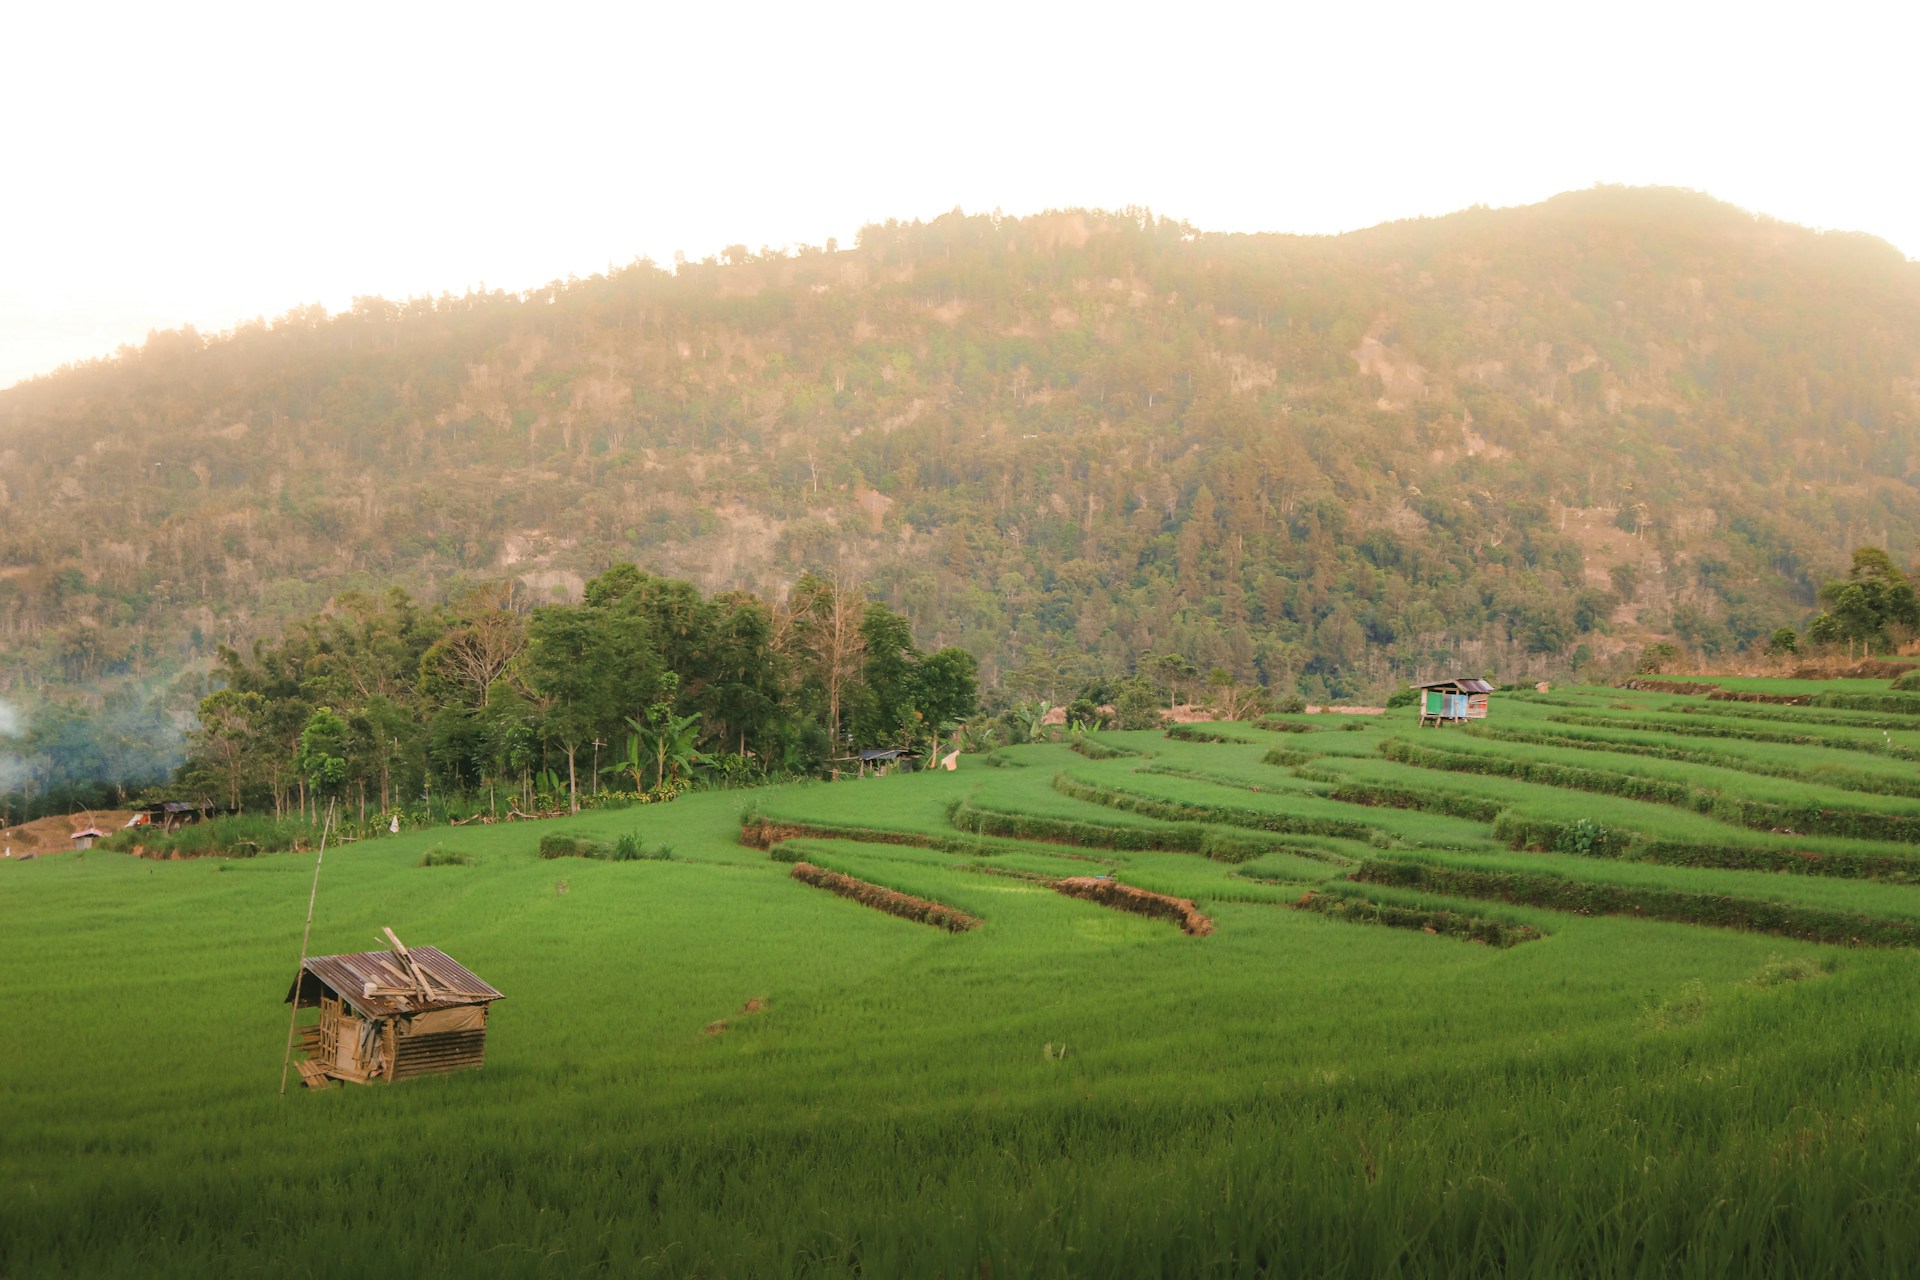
(1778, 970)
(1291, 704)
(438, 857)
(1657, 657)
(1586, 838)
(556, 845)
(627, 848)
(1683, 1009)
(1288, 758)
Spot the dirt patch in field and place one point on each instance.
(881, 898)
(1694, 688)
(1776, 699)
(761, 833)
(1124, 897)
(55, 835)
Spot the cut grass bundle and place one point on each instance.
(438, 857)
(1125, 897)
(568, 845)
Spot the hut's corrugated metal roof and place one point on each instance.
(1464, 686)
(348, 975)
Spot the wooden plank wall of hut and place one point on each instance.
(422, 1055)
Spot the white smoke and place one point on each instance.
(13, 770)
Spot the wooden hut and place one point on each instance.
(1453, 701)
(389, 1015)
(84, 839)
(171, 815)
(881, 759)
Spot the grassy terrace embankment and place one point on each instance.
(1406, 1047)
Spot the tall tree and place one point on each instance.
(230, 741)
(824, 617)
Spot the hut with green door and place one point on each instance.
(1444, 702)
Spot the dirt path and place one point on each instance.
(55, 835)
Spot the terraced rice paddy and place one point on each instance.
(1618, 983)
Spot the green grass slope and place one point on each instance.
(1069, 1089)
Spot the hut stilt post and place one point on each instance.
(293, 1017)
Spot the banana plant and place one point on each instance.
(673, 738)
(662, 742)
(1032, 718)
(634, 762)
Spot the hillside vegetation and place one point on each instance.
(1513, 439)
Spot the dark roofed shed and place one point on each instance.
(389, 1015)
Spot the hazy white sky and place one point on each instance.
(205, 164)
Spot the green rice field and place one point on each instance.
(1615, 983)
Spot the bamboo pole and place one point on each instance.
(293, 1015)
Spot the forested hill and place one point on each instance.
(1506, 440)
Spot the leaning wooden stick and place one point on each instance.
(294, 1016)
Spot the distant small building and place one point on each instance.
(1453, 701)
(390, 1015)
(84, 839)
(880, 759)
(171, 815)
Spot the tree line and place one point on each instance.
(639, 690)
